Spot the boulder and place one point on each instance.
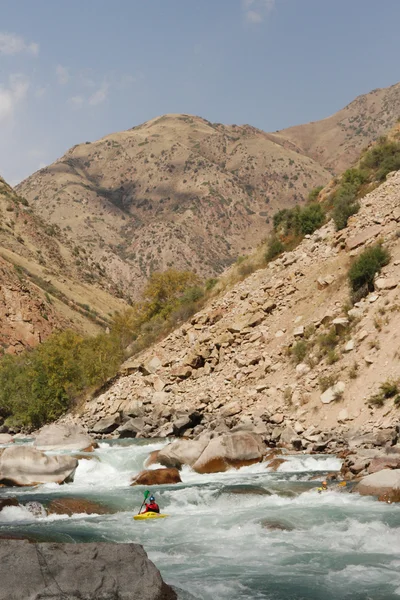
(182, 372)
(389, 462)
(63, 436)
(107, 424)
(151, 366)
(90, 571)
(25, 466)
(333, 393)
(73, 506)
(383, 483)
(6, 438)
(4, 502)
(230, 450)
(152, 459)
(157, 477)
(245, 321)
(133, 408)
(363, 237)
(181, 452)
(279, 525)
(132, 428)
(385, 283)
(277, 419)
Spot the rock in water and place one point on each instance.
(76, 571)
(181, 452)
(383, 483)
(58, 436)
(157, 477)
(72, 506)
(230, 450)
(24, 465)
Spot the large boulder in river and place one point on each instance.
(90, 571)
(24, 465)
(230, 450)
(63, 436)
(5, 502)
(385, 484)
(6, 438)
(73, 506)
(157, 477)
(181, 452)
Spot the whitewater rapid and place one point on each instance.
(241, 535)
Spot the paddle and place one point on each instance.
(146, 495)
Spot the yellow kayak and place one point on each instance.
(149, 515)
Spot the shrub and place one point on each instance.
(344, 208)
(389, 389)
(326, 381)
(41, 384)
(365, 266)
(383, 158)
(314, 193)
(299, 221)
(275, 248)
(311, 217)
(298, 351)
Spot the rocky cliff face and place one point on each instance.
(282, 353)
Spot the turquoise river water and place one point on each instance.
(217, 543)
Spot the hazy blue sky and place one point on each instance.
(72, 71)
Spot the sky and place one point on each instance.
(75, 71)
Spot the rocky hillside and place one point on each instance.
(336, 142)
(282, 353)
(177, 190)
(42, 287)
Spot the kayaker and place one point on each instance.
(152, 506)
(323, 488)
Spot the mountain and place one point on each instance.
(177, 190)
(336, 142)
(42, 287)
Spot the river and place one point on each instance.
(215, 544)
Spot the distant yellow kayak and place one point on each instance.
(149, 515)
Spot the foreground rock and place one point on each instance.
(157, 477)
(64, 436)
(87, 571)
(385, 484)
(233, 450)
(24, 466)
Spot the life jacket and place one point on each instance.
(152, 507)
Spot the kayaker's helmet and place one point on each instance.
(152, 498)
(323, 483)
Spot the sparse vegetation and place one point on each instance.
(327, 381)
(353, 371)
(366, 266)
(274, 248)
(388, 389)
(298, 351)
